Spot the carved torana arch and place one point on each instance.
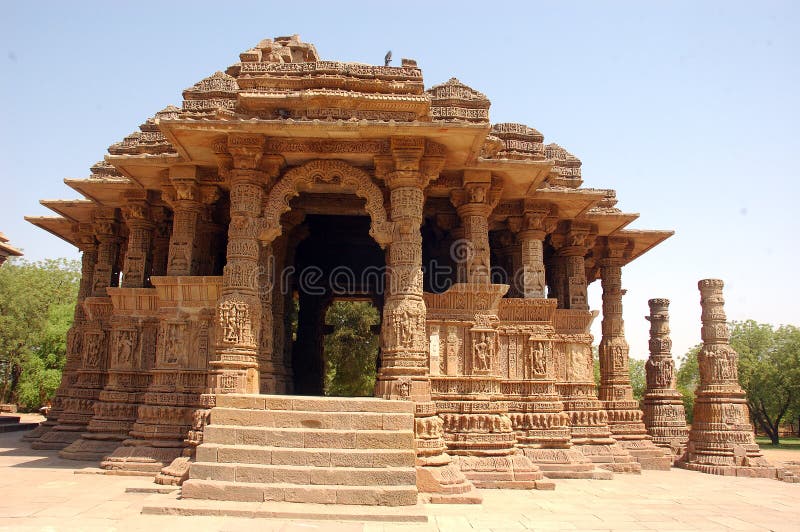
(322, 175)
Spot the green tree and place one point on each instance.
(688, 378)
(638, 377)
(351, 350)
(769, 371)
(36, 305)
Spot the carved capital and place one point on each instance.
(573, 238)
(246, 150)
(614, 251)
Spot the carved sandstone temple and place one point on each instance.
(476, 241)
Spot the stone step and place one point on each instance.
(312, 419)
(317, 457)
(308, 437)
(304, 475)
(4, 420)
(321, 494)
(313, 404)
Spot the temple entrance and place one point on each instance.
(337, 286)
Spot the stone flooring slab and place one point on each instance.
(40, 491)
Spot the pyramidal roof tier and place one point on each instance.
(306, 108)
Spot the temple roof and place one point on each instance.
(307, 107)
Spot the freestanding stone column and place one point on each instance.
(132, 344)
(721, 440)
(664, 415)
(91, 374)
(616, 393)
(88, 246)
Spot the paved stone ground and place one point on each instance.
(39, 491)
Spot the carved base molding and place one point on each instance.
(565, 463)
(665, 419)
(502, 472)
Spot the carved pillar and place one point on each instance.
(88, 246)
(616, 393)
(92, 372)
(186, 215)
(572, 242)
(403, 374)
(138, 257)
(536, 223)
(162, 219)
(721, 440)
(474, 203)
(239, 316)
(664, 415)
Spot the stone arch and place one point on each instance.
(326, 175)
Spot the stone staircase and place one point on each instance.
(353, 451)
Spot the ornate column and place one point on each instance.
(138, 257)
(88, 246)
(572, 242)
(474, 203)
(616, 393)
(92, 372)
(407, 171)
(536, 223)
(161, 237)
(664, 415)
(721, 440)
(235, 368)
(132, 343)
(185, 199)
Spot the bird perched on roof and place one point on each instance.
(388, 58)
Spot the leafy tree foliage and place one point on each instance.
(688, 378)
(36, 305)
(351, 350)
(638, 377)
(769, 370)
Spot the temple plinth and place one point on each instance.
(664, 414)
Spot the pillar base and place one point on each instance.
(565, 463)
(141, 457)
(503, 472)
(58, 438)
(91, 447)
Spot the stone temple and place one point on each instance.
(475, 241)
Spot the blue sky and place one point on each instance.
(689, 110)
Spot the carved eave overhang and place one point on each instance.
(79, 210)
(520, 178)
(642, 241)
(108, 192)
(56, 225)
(571, 203)
(608, 222)
(147, 171)
(352, 141)
(6, 249)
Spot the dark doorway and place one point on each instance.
(338, 260)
